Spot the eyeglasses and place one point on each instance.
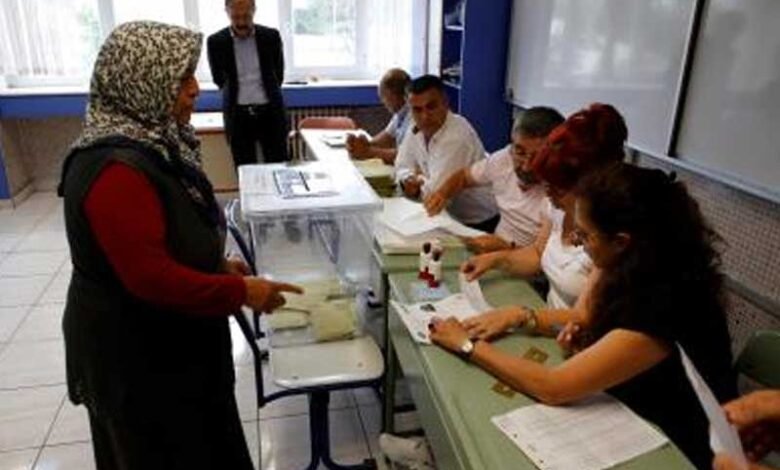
(520, 154)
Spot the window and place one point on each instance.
(165, 11)
(352, 39)
(324, 33)
(43, 42)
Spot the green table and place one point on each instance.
(455, 400)
(395, 264)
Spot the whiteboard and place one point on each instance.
(628, 53)
(731, 119)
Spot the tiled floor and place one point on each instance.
(40, 429)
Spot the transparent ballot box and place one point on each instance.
(312, 224)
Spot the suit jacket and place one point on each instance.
(222, 62)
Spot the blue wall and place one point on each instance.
(45, 106)
(5, 193)
(48, 106)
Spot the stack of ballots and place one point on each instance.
(378, 175)
(324, 312)
(403, 226)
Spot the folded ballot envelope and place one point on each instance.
(324, 307)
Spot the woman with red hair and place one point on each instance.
(658, 292)
(587, 140)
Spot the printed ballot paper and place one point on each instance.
(596, 433)
(468, 302)
(723, 436)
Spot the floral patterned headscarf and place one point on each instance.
(135, 83)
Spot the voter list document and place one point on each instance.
(596, 433)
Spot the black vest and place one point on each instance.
(122, 352)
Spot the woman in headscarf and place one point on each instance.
(146, 332)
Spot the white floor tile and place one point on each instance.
(57, 291)
(371, 417)
(18, 225)
(252, 442)
(10, 319)
(32, 364)
(366, 396)
(242, 354)
(32, 263)
(43, 241)
(285, 441)
(71, 425)
(39, 203)
(53, 221)
(245, 393)
(67, 457)
(18, 459)
(44, 322)
(16, 291)
(26, 416)
(8, 241)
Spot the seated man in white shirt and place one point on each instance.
(392, 93)
(521, 200)
(440, 143)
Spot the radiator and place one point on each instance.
(296, 147)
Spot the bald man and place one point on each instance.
(392, 92)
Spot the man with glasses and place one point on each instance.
(519, 197)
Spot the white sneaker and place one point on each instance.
(412, 452)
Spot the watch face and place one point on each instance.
(467, 347)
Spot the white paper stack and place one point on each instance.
(596, 433)
(404, 225)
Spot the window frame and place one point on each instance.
(358, 71)
(105, 10)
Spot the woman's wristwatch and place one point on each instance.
(466, 349)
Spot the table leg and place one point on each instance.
(391, 362)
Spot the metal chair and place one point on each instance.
(760, 358)
(327, 122)
(314, 370)
(234, 227)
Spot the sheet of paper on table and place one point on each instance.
(465, 304)
(596, 433)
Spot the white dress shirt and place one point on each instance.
(251, 90)
(521, 210)
(454, 146)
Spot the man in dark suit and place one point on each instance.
(247, 64)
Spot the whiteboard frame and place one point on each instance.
(671, 155)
